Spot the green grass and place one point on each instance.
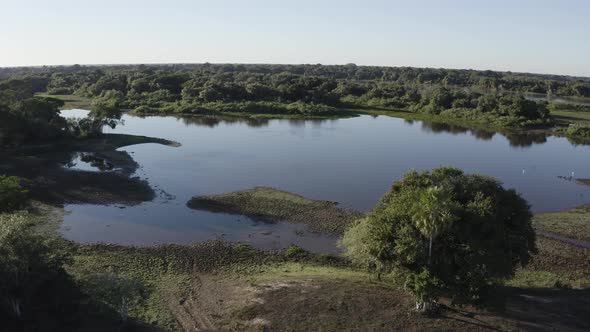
(556, 265)
(567, 117)
(71, 101)
(273, 205)
(573, 223)
(157, 280)
(547, 279)
(168, 274)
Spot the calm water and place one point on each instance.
(352, 161)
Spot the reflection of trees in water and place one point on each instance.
(515, 139)
(214, 121)
(440, 127)
(526, 139)
(484, 135)
(315, 123)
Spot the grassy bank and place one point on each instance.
(573, 223)
(273, 205)
(223, 286)
(218, 286)
(571, 123)
(70, 101)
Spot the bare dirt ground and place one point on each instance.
(321, 303)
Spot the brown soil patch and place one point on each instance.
(322, 304)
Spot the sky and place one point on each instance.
(539, 36)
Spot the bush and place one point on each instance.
(578, 130)
(463, 232)
(37, 294)
(12, 195)
(356, 247)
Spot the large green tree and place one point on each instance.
(453, 233)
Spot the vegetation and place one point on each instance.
(309, 90)
(577, 133)
(454, 234)
(36, 291)
(31, 97)
(223, 286)
(12, 195)
(26, 118)
(272, 205)
(573, 223)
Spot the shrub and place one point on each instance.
(36, 292)
(12, 195)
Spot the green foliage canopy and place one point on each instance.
(12, 195)
(481, 231)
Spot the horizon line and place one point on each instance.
(285, 64)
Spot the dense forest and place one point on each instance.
(496, 98)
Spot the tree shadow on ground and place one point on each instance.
(542, 309)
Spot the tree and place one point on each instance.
(105, 112)
(35, 291)
(453, 233)
(434, 213)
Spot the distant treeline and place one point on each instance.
(301, 90)
(556, 85)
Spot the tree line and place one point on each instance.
(301, 90)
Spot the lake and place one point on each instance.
(352, 161)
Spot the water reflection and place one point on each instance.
(521, 140)
(252, 122)
(214, 121)
(352, 161)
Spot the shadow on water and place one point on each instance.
(525, 139)
(58, 175)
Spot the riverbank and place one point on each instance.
(233, 287)
(46, 170)
(572, 223)
(570, 123)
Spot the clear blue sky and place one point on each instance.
(520, 35)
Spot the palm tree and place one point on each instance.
(434, 213)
